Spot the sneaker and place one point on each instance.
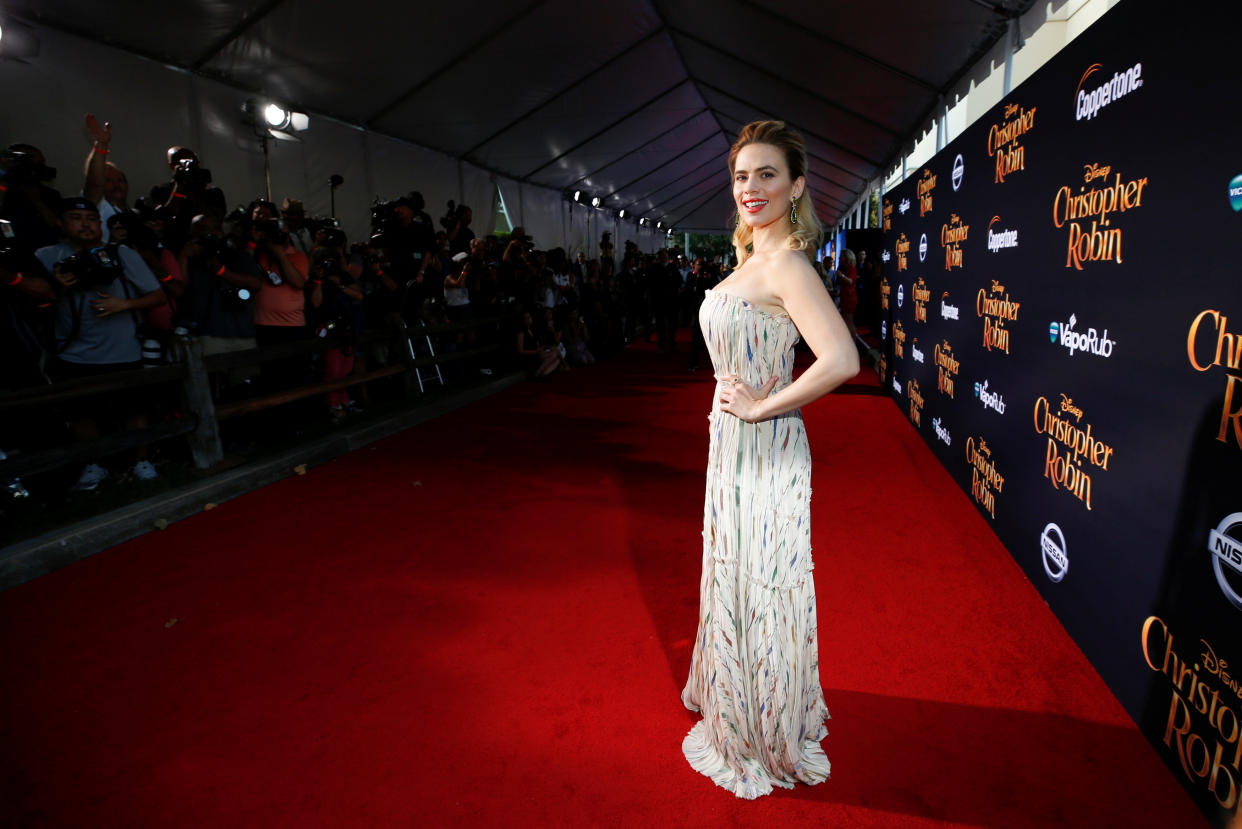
(145, 471)
(91, 477)
(353, 408)
(336, 414)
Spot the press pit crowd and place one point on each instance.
(103, 281)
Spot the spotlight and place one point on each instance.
(660, 225)
(622, 213)
(276, 117)
(596, 201)
(17, 41)
(273, 120)
(578, 196)
(643, 222)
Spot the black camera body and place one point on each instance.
(11, 258)
(271, 231)
(212, 245)
(17, 167)
(95, 268)
(189, 173)
(384, 223)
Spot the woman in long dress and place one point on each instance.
(754, 673)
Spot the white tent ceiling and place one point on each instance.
(633, 100)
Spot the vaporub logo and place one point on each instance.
(942, 432)
(1052, 545)
(1225, 543)
(959, 170)
(1096, 91)
(951, 237)
(902, 248)
(948, 311)
(986, 481)
(922, 295)
(990, 399)
(1005, 140)
(922, 247)
(947, 367)
(1000, 239)
(915, 351)
(903, 206)
(1088, 342)
(996, 309)
(1235, 192)
(924, 189)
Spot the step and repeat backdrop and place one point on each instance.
(1062, 324)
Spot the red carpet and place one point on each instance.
(486, 621)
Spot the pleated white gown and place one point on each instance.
(754, 673)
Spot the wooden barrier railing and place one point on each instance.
(201, 413)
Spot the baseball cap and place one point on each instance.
(77, 203)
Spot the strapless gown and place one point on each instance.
(754, 673)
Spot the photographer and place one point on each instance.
(280, 312)
(105, 183)
(101, 291)
(27, 201)
(337, 300)
(189, 194)
(218, 306)
(456, 223)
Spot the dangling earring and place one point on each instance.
(793, 211)
(737, 218)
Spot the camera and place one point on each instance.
(191, 174)
(272, 231)
(94, 268)
(384, 223)
(212, 245)
(233, 298)
(17, 167)
(11, 259)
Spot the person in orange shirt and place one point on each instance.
(280, 309)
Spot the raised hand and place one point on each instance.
(101, 134)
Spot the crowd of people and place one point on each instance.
(100, 282)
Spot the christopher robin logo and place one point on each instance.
(888, 215)
(951, 237)
(986, 482)
(916, 401)
(899, 340)
(885, 290)
(1210, 344)
(902, 248)
(922, 295)
(1071, 444)
(947, 367)
(996, 309)
(924, 189)
(1004, 140)
(1097, 203)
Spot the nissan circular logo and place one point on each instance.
(901, 295)
(1056, 562)
(1225, 542)
(959, 168)
(922, 247)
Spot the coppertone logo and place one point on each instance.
(999, 240)
(1052, 545)
(915, 351)
(942, 432)
(1096, 91)
(922, 247)
(959, 170)
(903, 207)
(990, 400)
(1089, 341)
(948, 311)
(1235, 193)
(1225, 542)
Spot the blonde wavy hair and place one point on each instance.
(808, 233)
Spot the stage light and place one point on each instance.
(17, 41)
(660, 225)
(622, 213)
(276, 117)
(596, 201)
(578, 196)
